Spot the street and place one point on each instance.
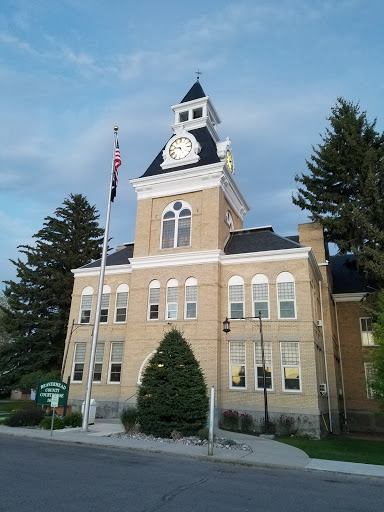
(40, 475)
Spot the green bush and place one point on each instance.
(246, 423)
(29, 417)
(230, 420)
(74, 419)
(128, 418)
(58, 423)
(203, 433)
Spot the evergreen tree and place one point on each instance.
(38, 304)
(173, 394)
(344, 187)
(377, 353)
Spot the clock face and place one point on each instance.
(180, 148)
(229, 159)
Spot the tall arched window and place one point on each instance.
(172, 298)
(121, 303)
(153, 300)
(190, 298)
(260, 295)
(86, 305)
(105, 299)
(236, 297)
(176, 225)
(286, 296)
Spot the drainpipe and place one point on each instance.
(341, 365)
(325, 358)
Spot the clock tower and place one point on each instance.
(195, 170)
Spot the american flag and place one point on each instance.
(116, 165)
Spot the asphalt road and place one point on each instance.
(42, 476)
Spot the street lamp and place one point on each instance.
(227, 329)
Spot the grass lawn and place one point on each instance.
(8, 406)
(341, 448)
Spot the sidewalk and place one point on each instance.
(263, 452)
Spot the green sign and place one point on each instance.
(49, 389)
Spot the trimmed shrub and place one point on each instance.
(128, 418)
(246, 423)
(203, 433)
(230, 420)
(58, 423)
(74, 419)
(29, 417)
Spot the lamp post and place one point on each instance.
(227, 329)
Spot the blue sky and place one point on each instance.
(72, 69)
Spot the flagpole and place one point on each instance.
(95, 331)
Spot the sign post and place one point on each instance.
(54, 404)
(53, 393)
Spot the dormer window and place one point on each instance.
(183, 116)
(176, 225)
(198, 112)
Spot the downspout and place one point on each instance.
(341, 365)
(325, 358)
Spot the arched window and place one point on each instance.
(153, 300)
(260, 295)
(105, 298)
(190, 298)
(236, 297)
(176, 225)
(229, 220)
(86, 305)
(143, 367)
(172, 297)
(121, 306)
(286, 296)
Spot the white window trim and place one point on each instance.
(106, 291)
(169, 208)
(236, 281)
(280, 281)
(88, 290)
(290, 391)
(259, 365)
(143, 367)
(110, 365)
(373, 344)
(154, 285)
(194, 281)
(256, 281)
(124, 288)
(172, 283)
(102, 365)
(367, 386)
(237, 388)
(73, 363)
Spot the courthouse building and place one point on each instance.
(192, 265)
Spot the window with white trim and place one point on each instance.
(98, 368)
(116, 360)
(236, 297)
(190, 298)
(176, 225)
(259, 376)
(229, 220)
(78, 362)
(172, 298)
(368, 370)
(286, 296)
(121, 305)
(237, 365)
(86, 305)
(153, 300)
(260, 295)
(105, 299)
(290, 366)
(366, 331)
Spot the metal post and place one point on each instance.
(266, 416)
(53, 417)
(66, 396)
(211, 420)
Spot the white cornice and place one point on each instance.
(349, 297)
(95, 271)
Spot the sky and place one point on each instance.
(72, 69)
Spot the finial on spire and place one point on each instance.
(198, 72)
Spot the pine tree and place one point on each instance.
(38, 304)
(173, 394)
(344, 189)
(376, 354)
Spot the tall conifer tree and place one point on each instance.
(38, 304)
(344, 189)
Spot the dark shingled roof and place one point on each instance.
(257, 240)
(120, 257)
(294, 238)
(195, 92)
(347, 278)
(208, 154)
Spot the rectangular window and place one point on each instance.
(168, 238)
(290, 365)
(237, 364)
(98, 368)
(116, 361)
(236, 301)
(86, 307)
(190, 301)
(121, 306)
(368, 369)
(260, 300)
(197, 112)
(78, 362)
(184, 232)
(366, 331)
(286, 294)
(183, 116)
(259, 377)
(172, 295)
(154, 299)
(104, 307)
